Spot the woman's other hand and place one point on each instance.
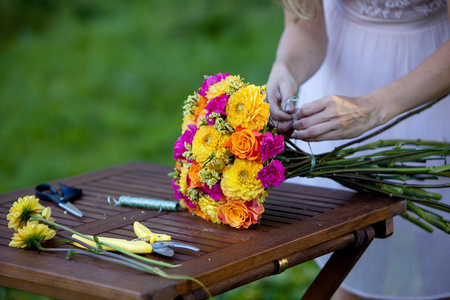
(334, 118)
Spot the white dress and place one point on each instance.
(372, 43)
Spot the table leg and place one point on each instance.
(338, 266)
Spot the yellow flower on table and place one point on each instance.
(246, 108)
(239, 181)
(46, 214)
(33, 231)
(23, 209)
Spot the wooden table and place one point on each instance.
(299, 224)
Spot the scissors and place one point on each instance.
(47, 192)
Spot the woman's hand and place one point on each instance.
(334, 118)
(281, 86)
(300, 53)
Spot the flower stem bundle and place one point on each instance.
(395, 168)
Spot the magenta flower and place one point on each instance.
(176, 188)
(272, 174)
(216, 105)
(271, 145)
(210, 81)
(189, 202)
(215, 192)
(188, 137)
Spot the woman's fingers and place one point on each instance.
(318, 132)
(281, 86)
(331, 118)
(277, 112)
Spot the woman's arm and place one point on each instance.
(300, 53)
(339, 117)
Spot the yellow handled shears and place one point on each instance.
(147, 242)
(146, 235)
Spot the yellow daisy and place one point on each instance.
(22, 210)
(207, 141)
(27, 235)
(246, 108)
(222, 86)
(239, 181)
(210, 206)
(46, 214)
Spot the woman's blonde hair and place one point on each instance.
(301, 9)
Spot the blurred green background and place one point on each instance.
(86, 85)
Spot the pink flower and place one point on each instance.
(187, 136)
(215, 192)
(176, 188)
(255, 210)
(272, 174)
(217, 105)
(210, 81)
(189, 203)
(271, 145)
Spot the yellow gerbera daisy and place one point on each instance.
(207, 141)
(210, 206)
(33, 232)
(246, 108)
(222, 86)
(22, 210)
(239, 181)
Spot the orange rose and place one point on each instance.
(193, 178)
(235, 214)
(245, 143)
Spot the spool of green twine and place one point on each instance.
(145, 203)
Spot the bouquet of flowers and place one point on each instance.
(225, 156)
(230, 155)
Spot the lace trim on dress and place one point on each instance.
(396, 9)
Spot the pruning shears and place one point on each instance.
(147, 242)
(160, 242)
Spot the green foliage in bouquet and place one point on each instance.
(394, 168)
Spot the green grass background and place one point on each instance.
(86, 85)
